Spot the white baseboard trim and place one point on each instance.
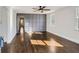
(71, 39)
(10, 39)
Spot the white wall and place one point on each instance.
(64, 24)
(3, 22)
(7, 23)
(11, 24)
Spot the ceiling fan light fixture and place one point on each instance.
(41, 9)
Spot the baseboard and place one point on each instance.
(10, 39)
(62, 37)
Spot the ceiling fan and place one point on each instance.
(41, 9)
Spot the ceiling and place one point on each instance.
(29, 10)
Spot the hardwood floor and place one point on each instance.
(63, 45)
(40, 42)
(18, 45)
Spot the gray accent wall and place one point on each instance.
(33, 22)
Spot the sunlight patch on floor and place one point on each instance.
(37, 42)
(40, 42)
(47, 42)
(34, 42)
(53, 42)
(54, 45)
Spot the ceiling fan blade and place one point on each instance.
(41, 9)
(34, 8)
(46, 9)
